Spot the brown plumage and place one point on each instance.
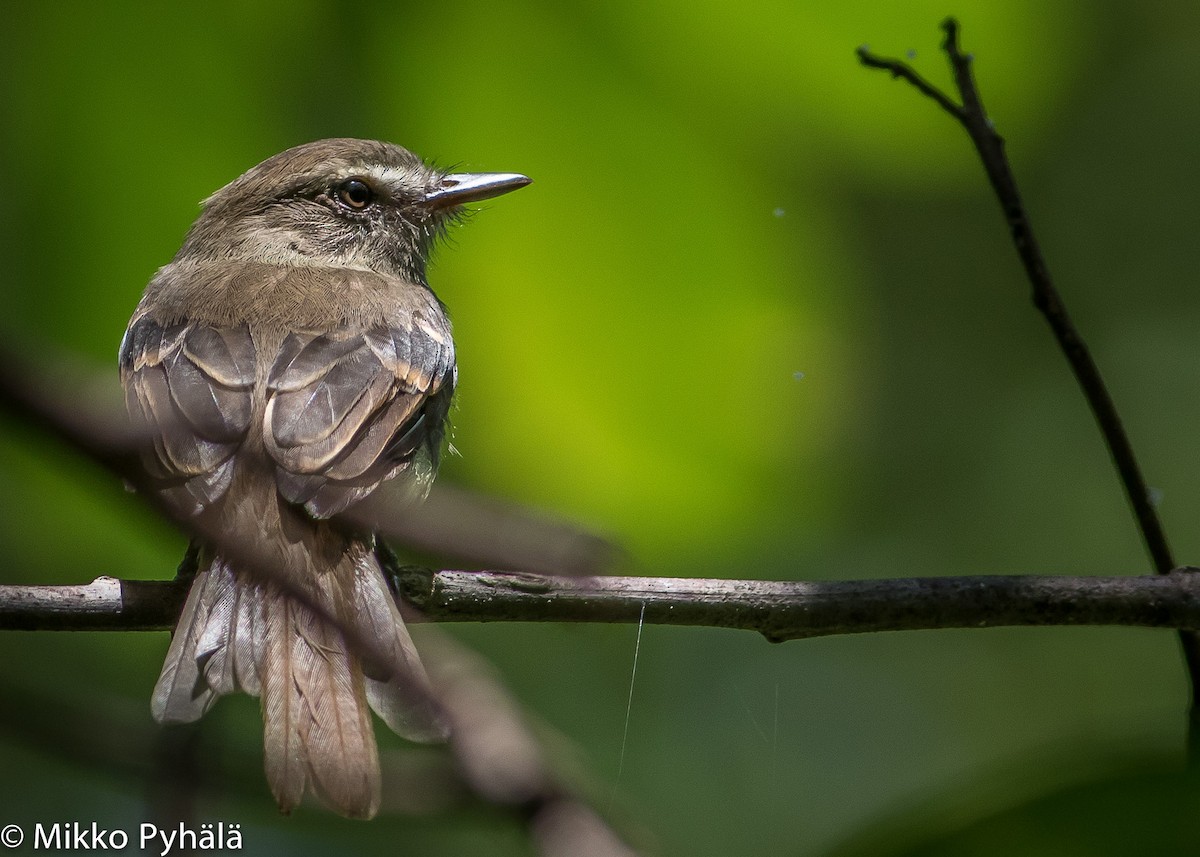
(287, 361)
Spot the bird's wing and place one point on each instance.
(349, 408)
(189, 387)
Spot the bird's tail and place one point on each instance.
(257, 635)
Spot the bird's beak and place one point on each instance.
(457, 188)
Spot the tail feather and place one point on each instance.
(338, 737)
(219, 641)
(283, 743)
(249, 634)
(238, 634)
(398, 691)
(181, 694)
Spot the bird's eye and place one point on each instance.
(355, 193)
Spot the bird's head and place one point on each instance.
(339, 203)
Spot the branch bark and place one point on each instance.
(779, 610)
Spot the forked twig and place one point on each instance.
(990, 146)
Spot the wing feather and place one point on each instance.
(348, 410)
(190, 388)
(345, 409)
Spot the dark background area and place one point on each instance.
(757, 317)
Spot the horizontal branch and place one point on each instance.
(780, 610)
(105, 604)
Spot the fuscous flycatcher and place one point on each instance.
(288, 360)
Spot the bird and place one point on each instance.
(289, 360)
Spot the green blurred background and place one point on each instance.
(758, 316)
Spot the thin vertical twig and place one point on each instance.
(990, 146)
